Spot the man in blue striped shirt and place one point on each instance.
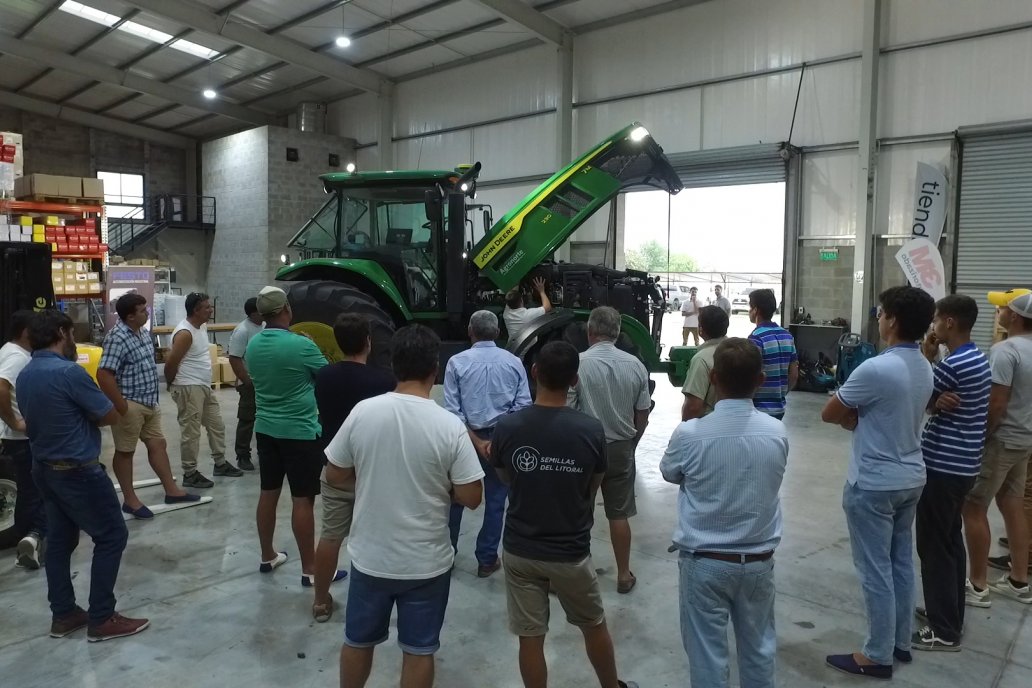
(729, 466)
(481, 385)
(780, 360)
(952, 446)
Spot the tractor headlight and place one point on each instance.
(638, 134)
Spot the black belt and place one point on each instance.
(69, 465)
(735, 558)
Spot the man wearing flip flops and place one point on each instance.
(128, 376)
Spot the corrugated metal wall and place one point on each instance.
(727, 73)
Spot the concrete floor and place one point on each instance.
(216, 622)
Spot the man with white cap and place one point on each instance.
(283, 366)
(1007, 450)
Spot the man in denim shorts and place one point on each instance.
(410, 460)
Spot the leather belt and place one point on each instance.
(735, 558)
(69, 465)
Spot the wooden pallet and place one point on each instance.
(65, 200)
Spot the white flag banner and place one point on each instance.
(922, 264)
(929, 203)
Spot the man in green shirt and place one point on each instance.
(700, 395)
(283, 366)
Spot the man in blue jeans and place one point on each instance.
(63, 410)
(410, 460)
(481, 385)
(884, 403)
(729, 466)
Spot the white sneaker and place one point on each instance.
(974, 598)
(28, 552)
(1004, 587)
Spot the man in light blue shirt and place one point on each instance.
(481, 385)
(729, 466)
(884, 403)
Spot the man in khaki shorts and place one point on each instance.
(553, 458)
(613, 387)
(128, 376)
(1005, 462)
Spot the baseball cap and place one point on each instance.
(1018, 300)
(271, 300)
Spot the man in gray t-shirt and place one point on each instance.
(1004, 473)
(249, 327)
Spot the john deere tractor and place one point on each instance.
(402, 247)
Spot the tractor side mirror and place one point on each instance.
(432, 206)
(488, 220)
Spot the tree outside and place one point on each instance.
(652, 257)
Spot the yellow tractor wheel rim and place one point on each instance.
(322, 335)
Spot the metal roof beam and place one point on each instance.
(135, 82)
(88, 119)
(250, 37)
(521, 14)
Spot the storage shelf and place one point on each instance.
(57, 208)
(91, 256)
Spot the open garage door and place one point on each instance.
(994, 221)
(760, 164)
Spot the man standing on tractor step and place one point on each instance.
(63, 411)
(481, 386)
(283, 366)
(242, 334)
(188, 373)
(613, 387)
(517, 316)
(30, 518)
(128, 376)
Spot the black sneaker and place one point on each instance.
(227, 470)
(245, 464)
(1003, 563)
(195, 479)
(927, 641)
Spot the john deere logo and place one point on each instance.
(525, 459)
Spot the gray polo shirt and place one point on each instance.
(1011, 364)
(612, 385)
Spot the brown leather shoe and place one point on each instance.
(117, 626)
(485, 571)
(69, 623)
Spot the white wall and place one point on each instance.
(717, 64)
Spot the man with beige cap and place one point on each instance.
(283, 366)
(1007, 450)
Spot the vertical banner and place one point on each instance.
(128, 279)
(929, 203)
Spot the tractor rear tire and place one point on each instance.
(316, 306)
(9, 535)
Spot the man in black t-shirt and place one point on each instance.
(338, 389)
(554, 459)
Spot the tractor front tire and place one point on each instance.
(316, 306)
(9, 535)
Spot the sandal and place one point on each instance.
(322, 612)
(624, 587)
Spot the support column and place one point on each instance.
(564, 103)
(385, 128)
(190, 181)
(866, 164)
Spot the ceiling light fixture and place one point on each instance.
(342, 41)
(136, 29)
(210, 93)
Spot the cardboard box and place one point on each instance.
(26, 220)
(70, 186)
(226, 374)
(39, 185)
(92, 188)
(10, 138)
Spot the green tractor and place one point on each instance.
(401, 247)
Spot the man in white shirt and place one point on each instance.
(690, 311)
(516, 316)
(30, 518)
(720, 301)
(188, 373)
(409, 459)
(242, 333)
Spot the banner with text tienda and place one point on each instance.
(919, 257)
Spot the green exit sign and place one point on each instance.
(829, 254)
